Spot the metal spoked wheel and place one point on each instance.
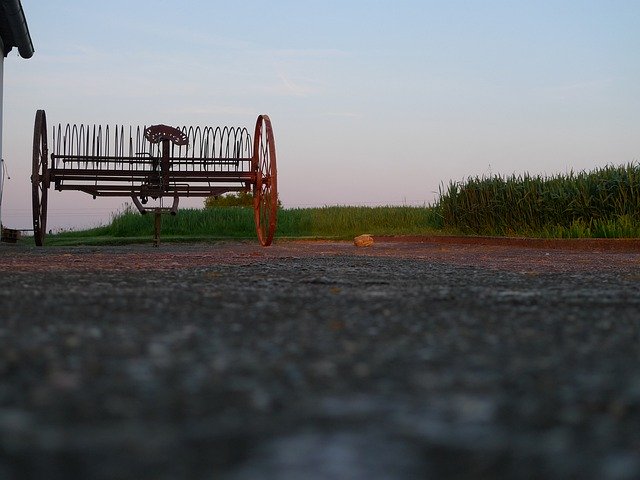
(39, 178)
(265, 193)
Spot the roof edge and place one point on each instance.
(19, 28)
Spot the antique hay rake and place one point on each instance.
(156, 162)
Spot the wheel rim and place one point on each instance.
(265, 195)
(39, 182)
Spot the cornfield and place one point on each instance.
(601, 203)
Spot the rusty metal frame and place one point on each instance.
(156, 162)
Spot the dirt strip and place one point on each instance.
(532, 255)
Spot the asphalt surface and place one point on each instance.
(318, 361)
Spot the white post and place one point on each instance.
(1, 97)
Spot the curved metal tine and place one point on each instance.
(140, 146)
(133, 147)
(182, 150)
(172, 149)
(199, 143)
(233, 140)
(194, 134)
(216, 134)
(57, 139)
(204, 151)
(240, 148)
(186, 147)
(106, 140)
(246, 157)
(128, 147)
(226, 130)
(88, 142)
(114, 129)
(223, 142)
(74, 139)
(234, 147)
(116, 142)
(80, 143)
(148, 149)
(191, 136)
(156, 149)
(196, 138)
(96, 164)
(207, 144)
(63, 151)
(134, 151)
(72, 144)
(99, 141)
(204, 154)
(226, 135)
(82, 151)
(84, 138)
(53, 141)
(66, 139)
(244, 150)
(122, 152)
(249, 144)
(201, 146)
(237, 149)
(231, 145)
(129, 154)
(217, 140)
(93, 141)
(121, 144)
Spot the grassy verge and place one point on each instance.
(339, 222)
(347, 222)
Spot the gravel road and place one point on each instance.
(319, 361)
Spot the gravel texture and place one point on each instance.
(319, 361)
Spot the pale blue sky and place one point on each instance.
(373, 102)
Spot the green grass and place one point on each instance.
(347, 222)
(338, 222)
(602, 203)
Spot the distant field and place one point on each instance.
(604, 203)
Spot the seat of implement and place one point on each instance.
(158, 133)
